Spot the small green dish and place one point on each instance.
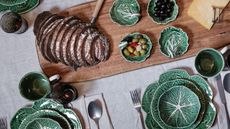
(126, 42)
(173, 42)
(21, 8)
(43, 123)
(209, 62)
(125, 12)
(151, 12)
(11, 2)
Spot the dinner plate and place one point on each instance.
(46, 113)
(43, 123)
(20, 115)
(206, 120)
(54, 105)
(11, 2)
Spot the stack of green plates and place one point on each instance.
(45, 114)
(18, 6)
(179, 101)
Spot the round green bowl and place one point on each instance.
(209, 62)
(43, 123)
(151, 11)
(173, 42)
(123, 44)
(125, 12)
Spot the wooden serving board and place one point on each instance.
(199, 38)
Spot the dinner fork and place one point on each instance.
(137, 105)
(3, 123)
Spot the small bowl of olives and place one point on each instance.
(163, 11)
(135, 47)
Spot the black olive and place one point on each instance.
(156, 8)
(168, 10)
(156, 14)
(159, 3)
(128, 39)
(163, 6)
(162, 12)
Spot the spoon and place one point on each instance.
(227, 82)
(95, 111)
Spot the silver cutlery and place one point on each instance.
(137, 105)
(223, 98)
(3, 123)
(95, 111)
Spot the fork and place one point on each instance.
(3, 123)
(137, 105)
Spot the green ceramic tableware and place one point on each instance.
(173, 42)
(67, 113)
(46, 113)
(127, 42)
(125, 12)
(183, 115)
(169, 11)
(11, 2)
(207, 114)
(209, 62)
(20, 116)
(43, 123)
(21, 8)
(36, 85)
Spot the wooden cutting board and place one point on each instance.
(199, 38)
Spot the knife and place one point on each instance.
(223, 98)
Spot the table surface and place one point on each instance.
(18, 56)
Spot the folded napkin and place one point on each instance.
(81, 106)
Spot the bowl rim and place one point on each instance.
(217, 52)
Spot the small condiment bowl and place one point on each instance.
(151, 11)
(173, 42)
(125, 13)
(144, 49)
(209, 62)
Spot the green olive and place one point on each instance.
(143, 52)
(136, 53)
(126, 52)
(145, 46)
(142, 41)
(130, 49)
(135, 40)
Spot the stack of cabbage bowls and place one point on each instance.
(179, 101)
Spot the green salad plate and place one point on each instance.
(51, 114)
(162, 11)
(125, 12)
(43, 123)
(46, 108)
(127, 42)
(53, 105)
(25, 6)
(173, 42)
(207, 112)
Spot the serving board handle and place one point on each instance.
(97, 10)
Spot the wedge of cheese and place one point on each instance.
(202, 11)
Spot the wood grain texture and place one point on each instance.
(199, 38)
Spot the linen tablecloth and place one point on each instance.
(18, 56)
